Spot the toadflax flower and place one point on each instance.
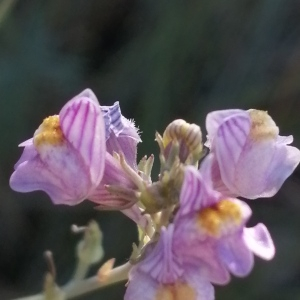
(70, 157)
(66, 156)
(210, 229)
(251, 159)
(162, 276)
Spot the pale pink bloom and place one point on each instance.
(161, 275)
(251, 159)
(66, 156)
(210, 230)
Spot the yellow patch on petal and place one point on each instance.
(177, 291)
(49, 132)
(262, 127)
(221, 215)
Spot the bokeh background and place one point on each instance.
(162, 60)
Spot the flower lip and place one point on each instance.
(224, 214)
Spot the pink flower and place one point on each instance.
(210, 230)
(161, 275)
(66, 156)
(251, 159)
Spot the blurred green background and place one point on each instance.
(162, 60)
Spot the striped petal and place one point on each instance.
(141, 287)
(191, 192)
(121, 134)
(87, 93)
(195, 192)
(197, 284)
(192, 286)
(161, 264)
(229, 143)
(82, 124)
(215, 119)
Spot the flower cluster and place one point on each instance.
(193, 226)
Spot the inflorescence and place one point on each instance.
(192, 225)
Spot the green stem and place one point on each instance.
(82, 287)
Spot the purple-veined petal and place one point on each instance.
(121, 134)
(115, 122)
(113, 119)
(33, 175)
(161, 263)
(141, 287)
(192, 286)
(199, 253)
(216, 118)
(125, 145)
(191, 191)
(235, 255)
(105, 199)
(87, 93)
(229, 143)
(216, 178)
(202, 288)
(82, 124)
(195, 192)
(259, 241)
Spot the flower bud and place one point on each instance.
(181, 139)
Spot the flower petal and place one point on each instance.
(29, 153)
(191, 192)
(235, 255)
(216, 118)
(125, 145)
(202, 255)
(284, 162)
(87, 93)
(259, 241)
(202, 288)
(33, 175)
(195, 192)
(121, 134)
(285, 140)
(229, 143)
(161, 263)
(83, 126)
(141, 287)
